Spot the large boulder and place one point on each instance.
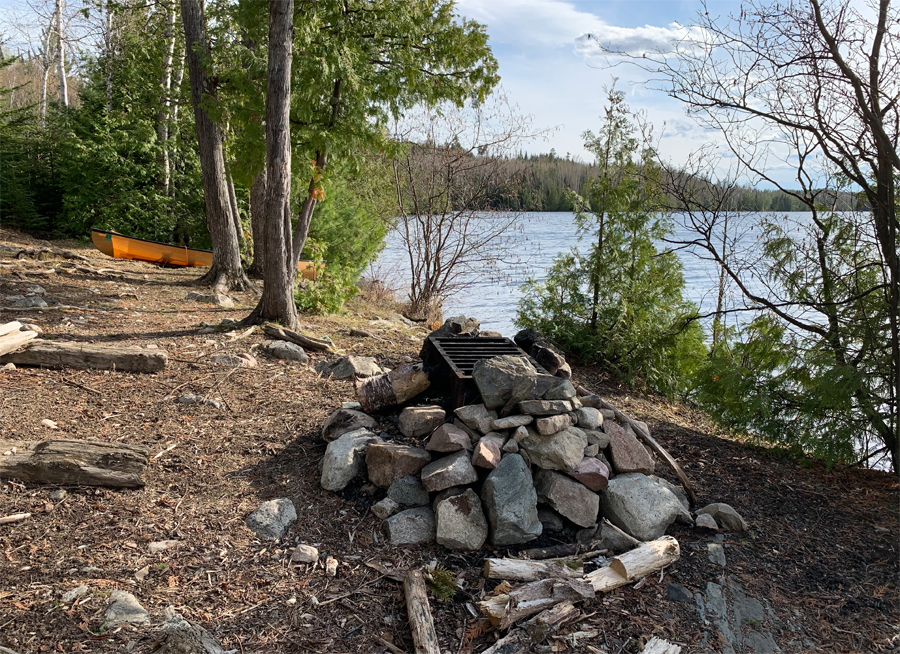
(349, 368)
(389, 461)
(453, 470)
(343, 421)
(272, 519)
(344, 458)
(640, 506)
(411, 527)
(461, 524)
(418, 421)
(563, 450)
(625, 451)
(499, 377)
(725, 516)
(510, 502)
(567, 497)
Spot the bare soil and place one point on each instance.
(822, 550)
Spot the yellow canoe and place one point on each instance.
(119, 246)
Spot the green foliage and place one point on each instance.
(334, 286)
(442, 583)
(619, 301)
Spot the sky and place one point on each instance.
(551, 71)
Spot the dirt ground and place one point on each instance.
(822, 551)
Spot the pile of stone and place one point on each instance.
(531, 457)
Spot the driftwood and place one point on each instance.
(522, 601)
(559, 551)
(651, 442)
(420, 621)
(70, 462)
(396, 387)
(15, 517)
(48, 354)
(309, 342)
(10, 327)
(524, 570)
(543, 623)
(512, 643)
(659, 646)
(15, 340)
(633, 565)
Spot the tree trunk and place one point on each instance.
(44, 95)
(277, 300)
(162, 124)
(226, 272)
(258, 224)
(235, 212)
(61, 53)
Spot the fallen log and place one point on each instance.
(540, 626)
(392, 388)
(308, 342)
(651, 442)
(659, 646)
(632, 566)
(75, 463)
(420, 621)
(48, 354)
(15, 340)
(15, 517)
(10, 327)
(505, 609)
(559, 551)
(524, 570)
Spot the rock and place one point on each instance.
(447, 492)
(448, 438)
(598, 438)
(190, 398)
(510, 502)
(49, 424)
(461, 524)
(418, 421)
(453, 470)
(31, 327)
(526, 338)
(217, 299)
(562, 391)
(496, 378)
(523, 390)
(72, 595)
(344, 458)
(613, 541)
(36, 290)
(356, 406)
(550, 520)
(232, 360)
(608, 414)
(561, 451)
(182, 637)
(161, 545)
(576, 403)
(519, 434)
(588, 417)
(678, 593)
(568, 497)
(705, 522)
(511, 422)
(592, 473)
(411, 527)
(343, 421)
(8, 366)
(284, 350)
(565, 371)
(544, 407)
(476, 416)
(552, 424)
(625, 452)
(592, 450)
(58, 495)
(408, 491)
(331, 566)
(486, 454)
(458, 326)
(547, 356)
(304, 554)
(726, 517)
(272, 519)
(31, 302)
(389, 461)
(675, 488)
(511, 445)
(639, 506)
(489, 334)
(124, 609)
(386, 508)
(473, 435)
(349, 368)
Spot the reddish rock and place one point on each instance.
(448, 438)
(418, 421)
(389, 461)
(553, 424)
(487, 454)
(592, 473)
(625, 451)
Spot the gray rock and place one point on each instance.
(58, 495)
(473, 435)
(448, 438)
(9, 366)
(576, 403)
(520, 434)
(124, 609)
(726, 517)
(486, 454)
(675, 488)
(349, 368)
(272, 519)
(161, 546)
(562, 391)
(386, 508)
(545, 407)
(526, 338)
(461, 524)
(561, 451)
(613, 541)
(678, 593)
(345, 458)
(640, 506)
(285, 350)
(565, 371)
(551, 521)
(447, 492)
(408, 491)
(343, 421)
(411, 527)
(592, 450)
(304, 554)
(716, 554)
(511, 422)
(625, 452)
(182, 637)
(232, 360)
(72, 595)
(547, 356)
(553, 424)
(418, 421)
(588, 417)
(510, 502)
(217, 299)
(458, 326)
(511, 445)
(705, 522)
(598, 438)
(496, 378)
(31, 302)
(453, 470)
(476, 416)
(568, 497)
(389, 461)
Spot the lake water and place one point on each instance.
(493, 298)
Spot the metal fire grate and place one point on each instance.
(457, 356)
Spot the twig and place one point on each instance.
(634, 541)
(15, 517)
(82, 386)
(389, 645)
(168, 449)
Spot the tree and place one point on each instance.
(815, 86)
(618, 301)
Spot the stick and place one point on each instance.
(420, 621)
(309, 342)
(649, 440)
(557, 551)
(15, 517)
(631, 539)
(389, 645)
(168, 449)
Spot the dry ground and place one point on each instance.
(822, 551)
